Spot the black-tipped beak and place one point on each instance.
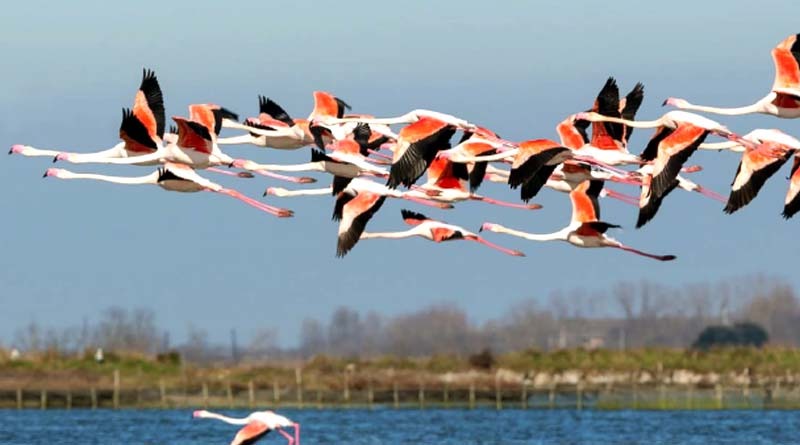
(230, 165)
(10, 150)
(55, 159)
(44, 175)
(480, 229)
(264, 194)
(664, 104)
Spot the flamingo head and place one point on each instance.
(200, 414)
(489, 227)
(17, 149)
(54, 172)
(61, 157)
(675, 102)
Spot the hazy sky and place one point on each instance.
(71, 249)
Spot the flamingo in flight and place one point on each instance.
(256, 426)
(141, 131)
(353, 210)
(273, 128)
(783, 100)
(757, 165)
(792, 201)
(172, 177)
(436, 231)
(585, 228)
(677, 136)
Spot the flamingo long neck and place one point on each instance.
(153, 157)
(728, 145)
(308, 166)
(555, 236)
(495, 157)
(33, 151)
(390, 235)
(242, 139)
(117, 151)
(149, 179)
(634, 124)
(226, 419)
(306, 192)
(749, 109)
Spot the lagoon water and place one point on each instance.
(385, 426)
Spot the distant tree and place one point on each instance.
(740, 334)
(312, 338)
(345, 332)
(482, 360)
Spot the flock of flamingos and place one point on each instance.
(360, 150)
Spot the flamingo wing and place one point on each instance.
(649, 203)
(355, 211)
(792, 202)
(673, 152)
(271, 108)
(633, 100)
(419, 142)
(585, 203)
(251, 432)
(755, 168)
(786, 56)
(193, 135)
(440, 234)
(135, 134)
(413, 218)
(571, 134)
(148, 106)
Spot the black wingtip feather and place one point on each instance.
(155, 98)
(408, 214)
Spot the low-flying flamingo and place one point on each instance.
(141, 131)
(585, 228)
(411, 117)
(353, 210)
(256, 426)
(436, 231)
(172, 177)
(482, 142)
(784, 98)
(447, 182)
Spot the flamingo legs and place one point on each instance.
(276, 211)
(504, 203)
(644, 254)
(506, 251)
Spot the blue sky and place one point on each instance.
(71, 249)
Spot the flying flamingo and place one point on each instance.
(195, 144)
(409, 118)
(792, 201)
(172, 177)
(273, 128)
(256, 426)
(436, 231)
(585, 228)
(447, 183)
(141, 130)
(784, 98)
(677, 136)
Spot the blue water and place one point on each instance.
(411, 427)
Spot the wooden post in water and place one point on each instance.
(276, 392)
(498, 396)
(346, 394)
(229, 393)
(718, 395)
(472, 394)
(69, 399)
(251, 394)
(690, 396)
(662, 396)
(115, 396)
(635, 395)
(395, 395)
(93, 397)
(19, 398)
(298, 380)
(205, 395)
(319, 398)
(370, 393)
(551, 396)
(421, 395)
(524, 397)
(445, 393)
(579, 395)
(43, 399)
(746, 394)
(162, 389)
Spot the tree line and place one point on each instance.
(628, 315)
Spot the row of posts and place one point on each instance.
(276, 394)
